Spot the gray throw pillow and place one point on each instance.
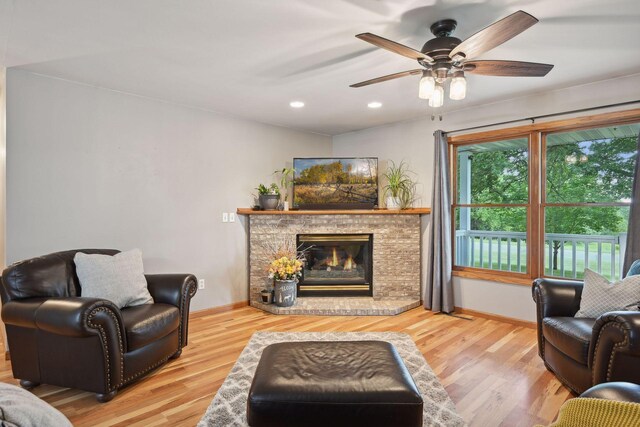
(118, 278)
(600, 296)
(20, 408)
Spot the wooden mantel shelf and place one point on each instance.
(412, 211)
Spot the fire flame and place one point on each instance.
(333, 262)
(349, 264)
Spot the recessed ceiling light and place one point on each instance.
(296, 104)
(374, 104)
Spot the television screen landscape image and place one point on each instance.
(335, 183)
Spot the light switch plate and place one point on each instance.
(225, 217)
(232, 217)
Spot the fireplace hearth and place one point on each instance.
(336, 264)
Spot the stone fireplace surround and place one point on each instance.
(396, 257)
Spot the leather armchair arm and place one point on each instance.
(614, 353)
(22, 312)
(177, 290)
(554, 297)
(77, 317)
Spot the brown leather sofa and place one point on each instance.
(584, 352)
(57, 337)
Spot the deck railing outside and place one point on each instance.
(506, 251)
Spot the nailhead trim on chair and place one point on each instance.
(190, 288)
(105, 346)
(613, 352)
(144, 371)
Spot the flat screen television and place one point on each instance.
(335, 183)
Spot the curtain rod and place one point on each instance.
(544, 116)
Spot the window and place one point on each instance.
(544, 200)
(588, 180)
(492, 203)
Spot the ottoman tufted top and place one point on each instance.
(334, 383)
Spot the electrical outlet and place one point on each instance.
(232, 217)
(200, 283)
(225, 217)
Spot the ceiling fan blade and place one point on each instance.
(507, 68)
(494, 35)
(394, 47)
(387, 77)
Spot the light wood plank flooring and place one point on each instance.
(490, 369)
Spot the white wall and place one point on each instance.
(413, 142)
(89, 167)
(3, 163)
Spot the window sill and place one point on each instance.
(492, 277)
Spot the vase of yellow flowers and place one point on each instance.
(285, 271)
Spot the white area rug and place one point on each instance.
(230, 403)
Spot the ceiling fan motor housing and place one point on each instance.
(439, 47)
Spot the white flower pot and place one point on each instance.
(393, 203)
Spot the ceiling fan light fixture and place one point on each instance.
(427, 86)
(458, 87)
(437, 99)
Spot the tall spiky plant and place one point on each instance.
(400, 184)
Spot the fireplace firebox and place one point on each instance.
(336, 264)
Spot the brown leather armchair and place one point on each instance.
(584, 352)
(57, 337)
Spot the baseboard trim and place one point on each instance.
(499, 318)
(218, 309)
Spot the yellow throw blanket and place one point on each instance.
(588, 412)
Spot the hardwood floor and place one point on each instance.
(490, 369)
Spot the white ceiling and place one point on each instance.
(250, 58)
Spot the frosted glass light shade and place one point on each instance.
(427, 86)
(437, 99)
(458, 88)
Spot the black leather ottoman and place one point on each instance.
(332, 384)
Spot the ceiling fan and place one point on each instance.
(446, 57)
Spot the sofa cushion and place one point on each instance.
(144, 324)
(599, 296)
(118, 278)
(570, 335)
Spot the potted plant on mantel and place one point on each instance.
(400, 189)
(286, 176)
(268, 197)
(285, 271)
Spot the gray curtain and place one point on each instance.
(633, 231)
(438, 295)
